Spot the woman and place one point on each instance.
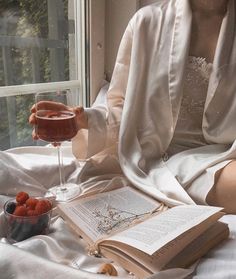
(171, 105)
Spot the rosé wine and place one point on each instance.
(56, 126)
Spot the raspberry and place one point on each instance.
(31, 212)
(20, 211)
(31, 203)
(49, 204)
(42, 207)
(22, 197)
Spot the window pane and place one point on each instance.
(14, 127)
(36, 46)
(33, 41)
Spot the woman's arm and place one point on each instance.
(103, 119)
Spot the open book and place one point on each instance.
(140, 233)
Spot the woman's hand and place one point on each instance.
(81, 115)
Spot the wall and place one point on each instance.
(146, 2)
(109, 19)
(118, 14)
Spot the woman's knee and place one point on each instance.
(223, 193)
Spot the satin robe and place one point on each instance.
(138, 119)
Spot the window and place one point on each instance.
(46, 44)
(41, 48)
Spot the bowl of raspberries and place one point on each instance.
(27, 216)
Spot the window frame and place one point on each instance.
(94, 64)
(77, 79)
(78, 82)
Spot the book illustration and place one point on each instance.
(110, 218)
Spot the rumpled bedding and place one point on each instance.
(62, 254)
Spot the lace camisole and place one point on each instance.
(188, 132)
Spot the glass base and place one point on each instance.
(65, 193)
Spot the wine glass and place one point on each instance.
(56, 123)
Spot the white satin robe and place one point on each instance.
(144, 99)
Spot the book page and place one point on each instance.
(102, 214)
(200, 246)
(183, 250)
(152, 234)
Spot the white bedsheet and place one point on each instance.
(61, 254)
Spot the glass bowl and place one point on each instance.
(19, 228)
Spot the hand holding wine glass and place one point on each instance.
(81, 116)
(55, 122)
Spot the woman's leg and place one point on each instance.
(223, 193)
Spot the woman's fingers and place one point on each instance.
(32, 119)
(78, 110)
(34, 135)
(44, 105)
(50, 105)
(33, 109)
(81, 116)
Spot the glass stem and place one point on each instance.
(60, 166)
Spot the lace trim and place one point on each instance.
(188, 132)
(196, 81)
(200, 65)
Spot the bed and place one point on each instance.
(61, 254)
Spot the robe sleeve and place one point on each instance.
(104, 118)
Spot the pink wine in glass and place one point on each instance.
(56, 126)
